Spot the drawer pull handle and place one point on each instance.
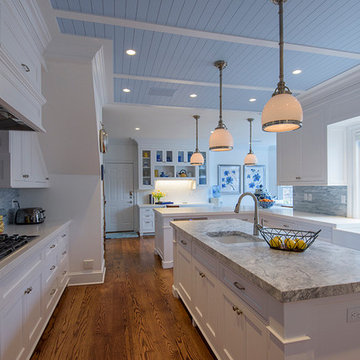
(52, 292)
(52, 246)
(237, 310)
(25, 176)
(183, 242)
(239, 286)
(63, 235)
(202, 274)
(64, 272)
(28, 290)
(25, 67)
(286, 226)
(52, 268)
(64, 252)
(298, 177)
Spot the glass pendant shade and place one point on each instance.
(197, 159)
(282, 113)
(250, 159)
(221, 140)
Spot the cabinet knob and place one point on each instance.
(239, 286)
(25, 67)
(25, 176)
(52, 292)
(52, 268)
(298, 178)
(52, 246)
(202, 274)
(63, 235)
(64, 272)
(183, 242)
(237, 310)
(64, 252)
(28, 290)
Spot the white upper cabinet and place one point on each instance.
(23, 38)
(21, 161)
(302, 155)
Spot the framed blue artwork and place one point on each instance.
(229, 179)
(254, 177)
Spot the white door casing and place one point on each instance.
(119, 190)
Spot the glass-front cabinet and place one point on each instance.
(145, 180)
(203, 173)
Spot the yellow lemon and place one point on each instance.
(290, 244)
(275, 242)
(301, 245)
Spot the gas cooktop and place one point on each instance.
(10, 243)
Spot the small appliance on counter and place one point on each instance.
(29, 216)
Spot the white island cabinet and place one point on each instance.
(32, 280)
(254, 303)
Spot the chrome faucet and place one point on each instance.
(256, 216)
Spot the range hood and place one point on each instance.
(8, 121)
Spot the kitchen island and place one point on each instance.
(252, 302)
(275, 217)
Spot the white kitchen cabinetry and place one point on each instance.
(30, 290)
(23, 38)
(147, 219)
(302, 154)
(229, 311)
(21, 161)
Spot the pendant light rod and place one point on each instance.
(281, 87)
(250, 120)
(196, 117)
(220, 64)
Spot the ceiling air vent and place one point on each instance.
(156, 91)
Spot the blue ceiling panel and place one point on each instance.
(322, 23)
(208, 97)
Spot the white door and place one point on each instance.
(119, 189)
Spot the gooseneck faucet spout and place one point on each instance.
(256, 216)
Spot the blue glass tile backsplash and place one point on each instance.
(6, 196)
(325, 200)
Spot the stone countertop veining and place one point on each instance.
(42, 230)
(321, 271)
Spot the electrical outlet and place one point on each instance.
(353, 314)
(305, 196)
(88, 264)
(343, 199)
(310, 197)
(14, 203)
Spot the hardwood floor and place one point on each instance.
(133, 315)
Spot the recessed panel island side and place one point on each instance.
(252, 302)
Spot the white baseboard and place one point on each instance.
(87, 278)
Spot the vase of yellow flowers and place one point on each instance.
(158, 195)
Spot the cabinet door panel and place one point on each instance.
(255, 338)
(184, 274)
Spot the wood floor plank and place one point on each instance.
(132, 316)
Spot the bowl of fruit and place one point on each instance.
(266, 203)
(288, 240)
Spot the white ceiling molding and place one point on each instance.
(200, 34)
(197, 83)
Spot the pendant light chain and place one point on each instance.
(196, 117)
(250, 120)
(221, 64)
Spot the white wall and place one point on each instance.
(70, 149)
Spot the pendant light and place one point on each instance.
(250, 158)
(221, 139)
(283, 111)
(196, 157)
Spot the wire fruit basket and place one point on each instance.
(288, 240)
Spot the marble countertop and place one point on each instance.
(276, 211)
(41, 230)
(321, 271)
(183, 204)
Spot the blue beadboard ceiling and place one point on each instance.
(169, 58)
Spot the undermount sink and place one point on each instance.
(232, 237)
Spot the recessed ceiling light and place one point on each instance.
(193, 95)
(252, 99)
(297, 72)
(137, 129)
(126, 90)
(131, 52)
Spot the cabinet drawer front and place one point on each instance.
(279, 223)
(185, 243)
(51, 293)
(147, 211)
(253, 296)
(51, 247)
(147, 225)
(50, 268)
(205, 259)
(148, 217)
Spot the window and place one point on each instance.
(285, 195)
